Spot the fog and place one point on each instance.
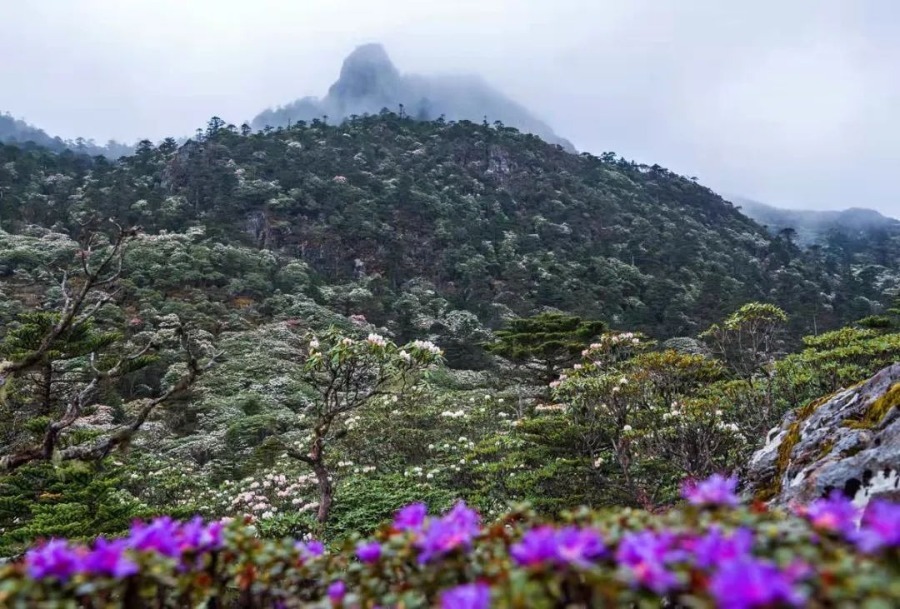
(790, 103)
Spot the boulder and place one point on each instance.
(848, 441)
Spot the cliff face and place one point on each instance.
(849, 441)
(369, 82)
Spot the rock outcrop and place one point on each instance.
(849, 441)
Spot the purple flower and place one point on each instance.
(836, 514)
(880, 527)
(454, 529)
(715, 490)
(108, 558)
(411, 518)
(749, 582)
(310, 549)
(197, 536)
(647, 556)
(715, 548)
(56, 558)
(579, 546)
(368, 552)
(161, 535)
(536, 547)
(467, 596)
(336, 591)
(568, 546)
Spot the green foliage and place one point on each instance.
(748, 339)
(366, 501)
(545, 343)
(414, 231)
(78, 501)
(498, 222)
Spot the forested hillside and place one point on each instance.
(292, 334)
(385, 210)
(15, 131)
(863, 233)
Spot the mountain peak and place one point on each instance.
(366, 72)
(369, 82)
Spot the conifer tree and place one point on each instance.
(545, 344)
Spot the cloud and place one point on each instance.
(791, 103)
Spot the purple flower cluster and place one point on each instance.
(835, 514)
(411, 518)
(648, 557)
(368, 552)
(703, 559)
(717, 490)
(738, 580)
(749, 582)
(455, 529)
(61, 560)
(434, 536)
(336, 591)
(467, 596)
(878, 526)
(569, 546)
(310, 549)
(171, 538)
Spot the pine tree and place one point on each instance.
(545, 344)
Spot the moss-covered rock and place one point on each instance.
(849, 441)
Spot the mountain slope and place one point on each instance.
(14, 131)
(369, 82)
(815, 226)
(402, 220)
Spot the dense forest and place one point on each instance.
(489, 220)
(301, 330)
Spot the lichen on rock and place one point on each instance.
(849, 441)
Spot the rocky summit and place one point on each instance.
(369, 82)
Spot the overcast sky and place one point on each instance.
(791, 102)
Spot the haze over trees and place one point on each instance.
(369, 82)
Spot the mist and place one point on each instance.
(792, 104)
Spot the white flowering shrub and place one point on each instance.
(347, 374)
(639, 422)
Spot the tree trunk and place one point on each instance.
(47, 388)
(326, 491)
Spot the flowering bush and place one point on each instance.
(712, 552)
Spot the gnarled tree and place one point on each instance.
(57, 362)
(347, 374)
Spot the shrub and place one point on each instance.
(711, 552)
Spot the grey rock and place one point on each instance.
(833, 452)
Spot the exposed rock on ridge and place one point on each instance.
(849, 441)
